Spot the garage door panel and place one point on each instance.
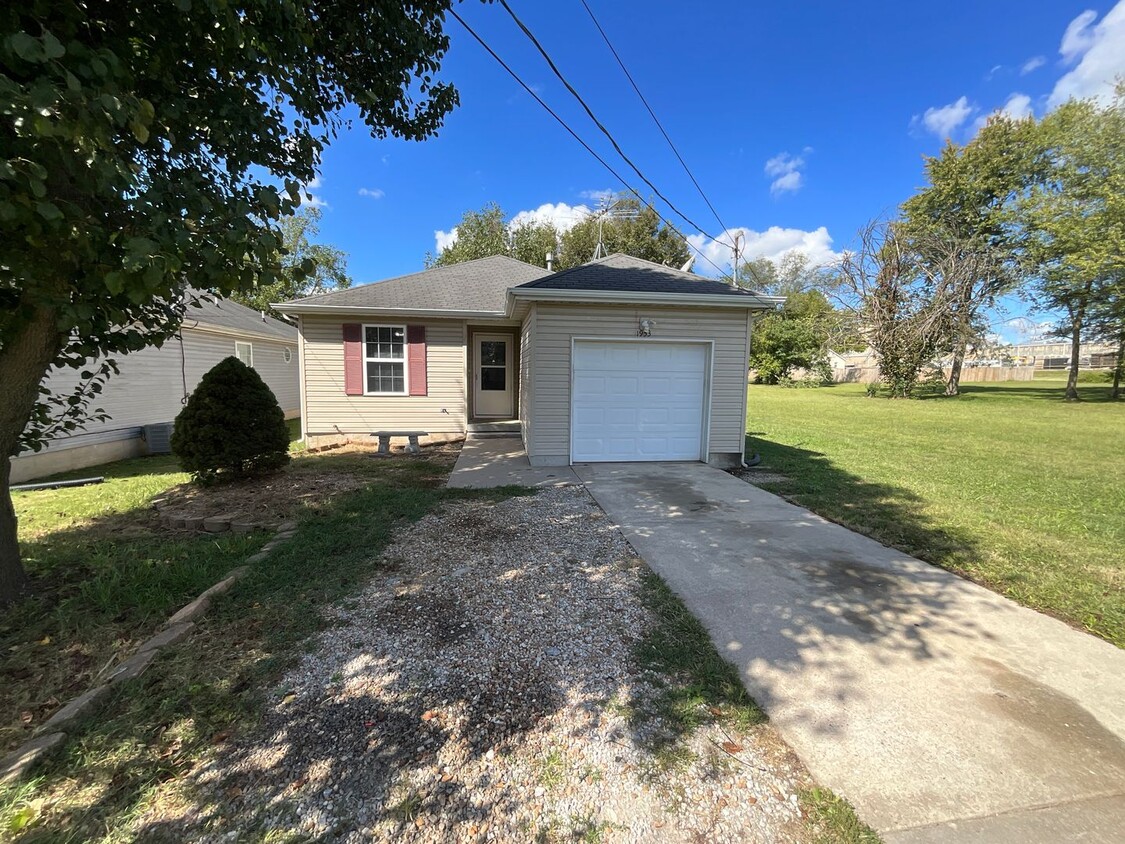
(637, 401)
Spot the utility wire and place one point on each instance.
(572, 133)
(554, 68)
(652, 114)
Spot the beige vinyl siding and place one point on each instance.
(330, 411)
(556, 324)
(527, 368)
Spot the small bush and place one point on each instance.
(232, 426)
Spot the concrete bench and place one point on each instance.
(412, 446)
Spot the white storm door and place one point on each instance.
(637, 401)
(492, 381)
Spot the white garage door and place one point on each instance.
(637, 401)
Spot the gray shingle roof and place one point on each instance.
(478, 285)
(626, 274)
(234, 317)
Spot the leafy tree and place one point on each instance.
(633, 228)
(306, 268)
(480, 234)
(903, 315)
(488, 232)
(231, 427)
(795, 337)
(963, 207)
(1071, 222)
(146, 144)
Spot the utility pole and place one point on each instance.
(734, 247)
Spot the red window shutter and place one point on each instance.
(353, 359)
(416, 358)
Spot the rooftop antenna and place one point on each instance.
(610, 210)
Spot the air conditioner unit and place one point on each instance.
(159, 438)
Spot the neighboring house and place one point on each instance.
(153, 384)
(616, 360)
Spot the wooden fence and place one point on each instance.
(969, 374)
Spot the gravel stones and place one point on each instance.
(481, 687)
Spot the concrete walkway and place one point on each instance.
(941, 710)
(499, 461)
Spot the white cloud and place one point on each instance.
(598, 195)
(1031, 65)
(785, 171)
(443, 240)
(1078, 38)
(1099, 50)
(564, 217)
(374, 193)
(1017, 107)
(309, 198)
(944, 120)
(773, 243)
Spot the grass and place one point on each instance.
(702, 686)
(832, 820)
(133, 757)
(1006, 484)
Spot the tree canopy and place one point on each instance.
(149, 145)
(634, 228)
(305, 267)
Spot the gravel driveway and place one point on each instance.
(482, 687)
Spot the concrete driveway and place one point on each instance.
(941, 710)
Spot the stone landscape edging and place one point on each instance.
(177, 627)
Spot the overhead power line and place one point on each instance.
(554, 69)
(652, 114)
(570, 131)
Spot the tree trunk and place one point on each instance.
(953, 385)
(1075, 348)
(1119, 368)
(24, 360)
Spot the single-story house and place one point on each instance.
(619, 359)
(153, 383)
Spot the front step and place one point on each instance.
(492, 435)
(501, 428)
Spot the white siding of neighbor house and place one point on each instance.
(553, 327)
(149, 389)
(330, 411)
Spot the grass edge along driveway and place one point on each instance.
(1005, 484)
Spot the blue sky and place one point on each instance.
(801, 121)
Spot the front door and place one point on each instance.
(493, 389)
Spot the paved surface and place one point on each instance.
(499, 461)
(941, 710)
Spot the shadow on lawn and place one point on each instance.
(215, 696)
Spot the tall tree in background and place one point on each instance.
(145, 144)
(960, 217)
(305, 267)
(1071, 222)
(903, 314)
(635, 229)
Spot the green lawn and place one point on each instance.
(1007, 483)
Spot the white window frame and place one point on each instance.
(250, 349)
(402, 360)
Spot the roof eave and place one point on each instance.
(695, 300)
(371, 310)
